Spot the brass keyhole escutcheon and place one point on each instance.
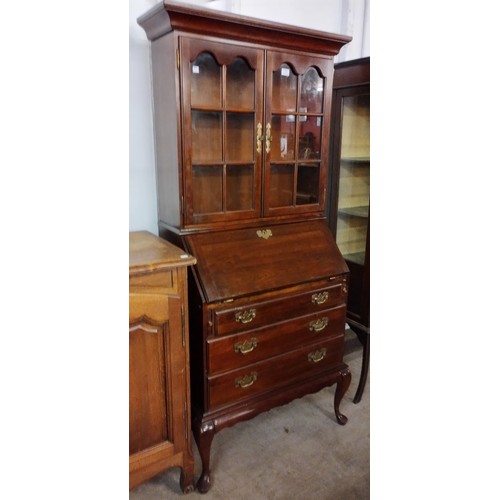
(264, 233)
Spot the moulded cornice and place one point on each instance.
(172, 16)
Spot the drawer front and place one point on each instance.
(273, 373)
(160, 280)
(238, 350)
(255, 315)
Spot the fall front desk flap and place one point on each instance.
(241, 262)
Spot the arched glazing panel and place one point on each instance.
(311, 92)
(240, 85)
(284, 96)
(205, 81)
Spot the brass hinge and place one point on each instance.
(185, 420)
(178, 58)
(182, 205)
(183, 323)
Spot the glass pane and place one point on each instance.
(351, 237)
(284, 96)
(283, 134)
(240, 85)
(354, 187)
(311, 92)
(354, 179)
(281, 189)
(239, 187)
(307, 184)
(240, 143)
(205, 82)
(207, 189)
(206, 130)
(356, 127)
(309, 137)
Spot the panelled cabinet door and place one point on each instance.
(156, 368)
(297, 120)
(222, 113)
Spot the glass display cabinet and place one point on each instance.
(242, 112)
(350, 208)
(244, 161)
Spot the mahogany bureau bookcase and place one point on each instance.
(159, 389)
(242, 111)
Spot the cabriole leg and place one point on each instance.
(204, 435)
(342, 386)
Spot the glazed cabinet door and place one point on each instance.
(297, 119)
(352, 224)
(222, 112)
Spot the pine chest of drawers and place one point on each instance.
(269, 333)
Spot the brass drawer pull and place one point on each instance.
(319, 298)
(317, 356)
(245, 316)
(245, 381)
(318, 325)
(246, 347)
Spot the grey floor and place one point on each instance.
(296, 451)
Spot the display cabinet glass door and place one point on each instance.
(222, 110)
(297, 112)
(354, 178)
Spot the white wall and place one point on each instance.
(346, 17)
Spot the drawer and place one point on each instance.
(229, 353)
(160, 279)
(274, 373)
(273, 311)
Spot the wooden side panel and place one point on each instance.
(352, 73)
(167, 127)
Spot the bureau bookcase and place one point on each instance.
(242, 111)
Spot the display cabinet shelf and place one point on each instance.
(355, 258)
(362, 211)
(359, 161)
